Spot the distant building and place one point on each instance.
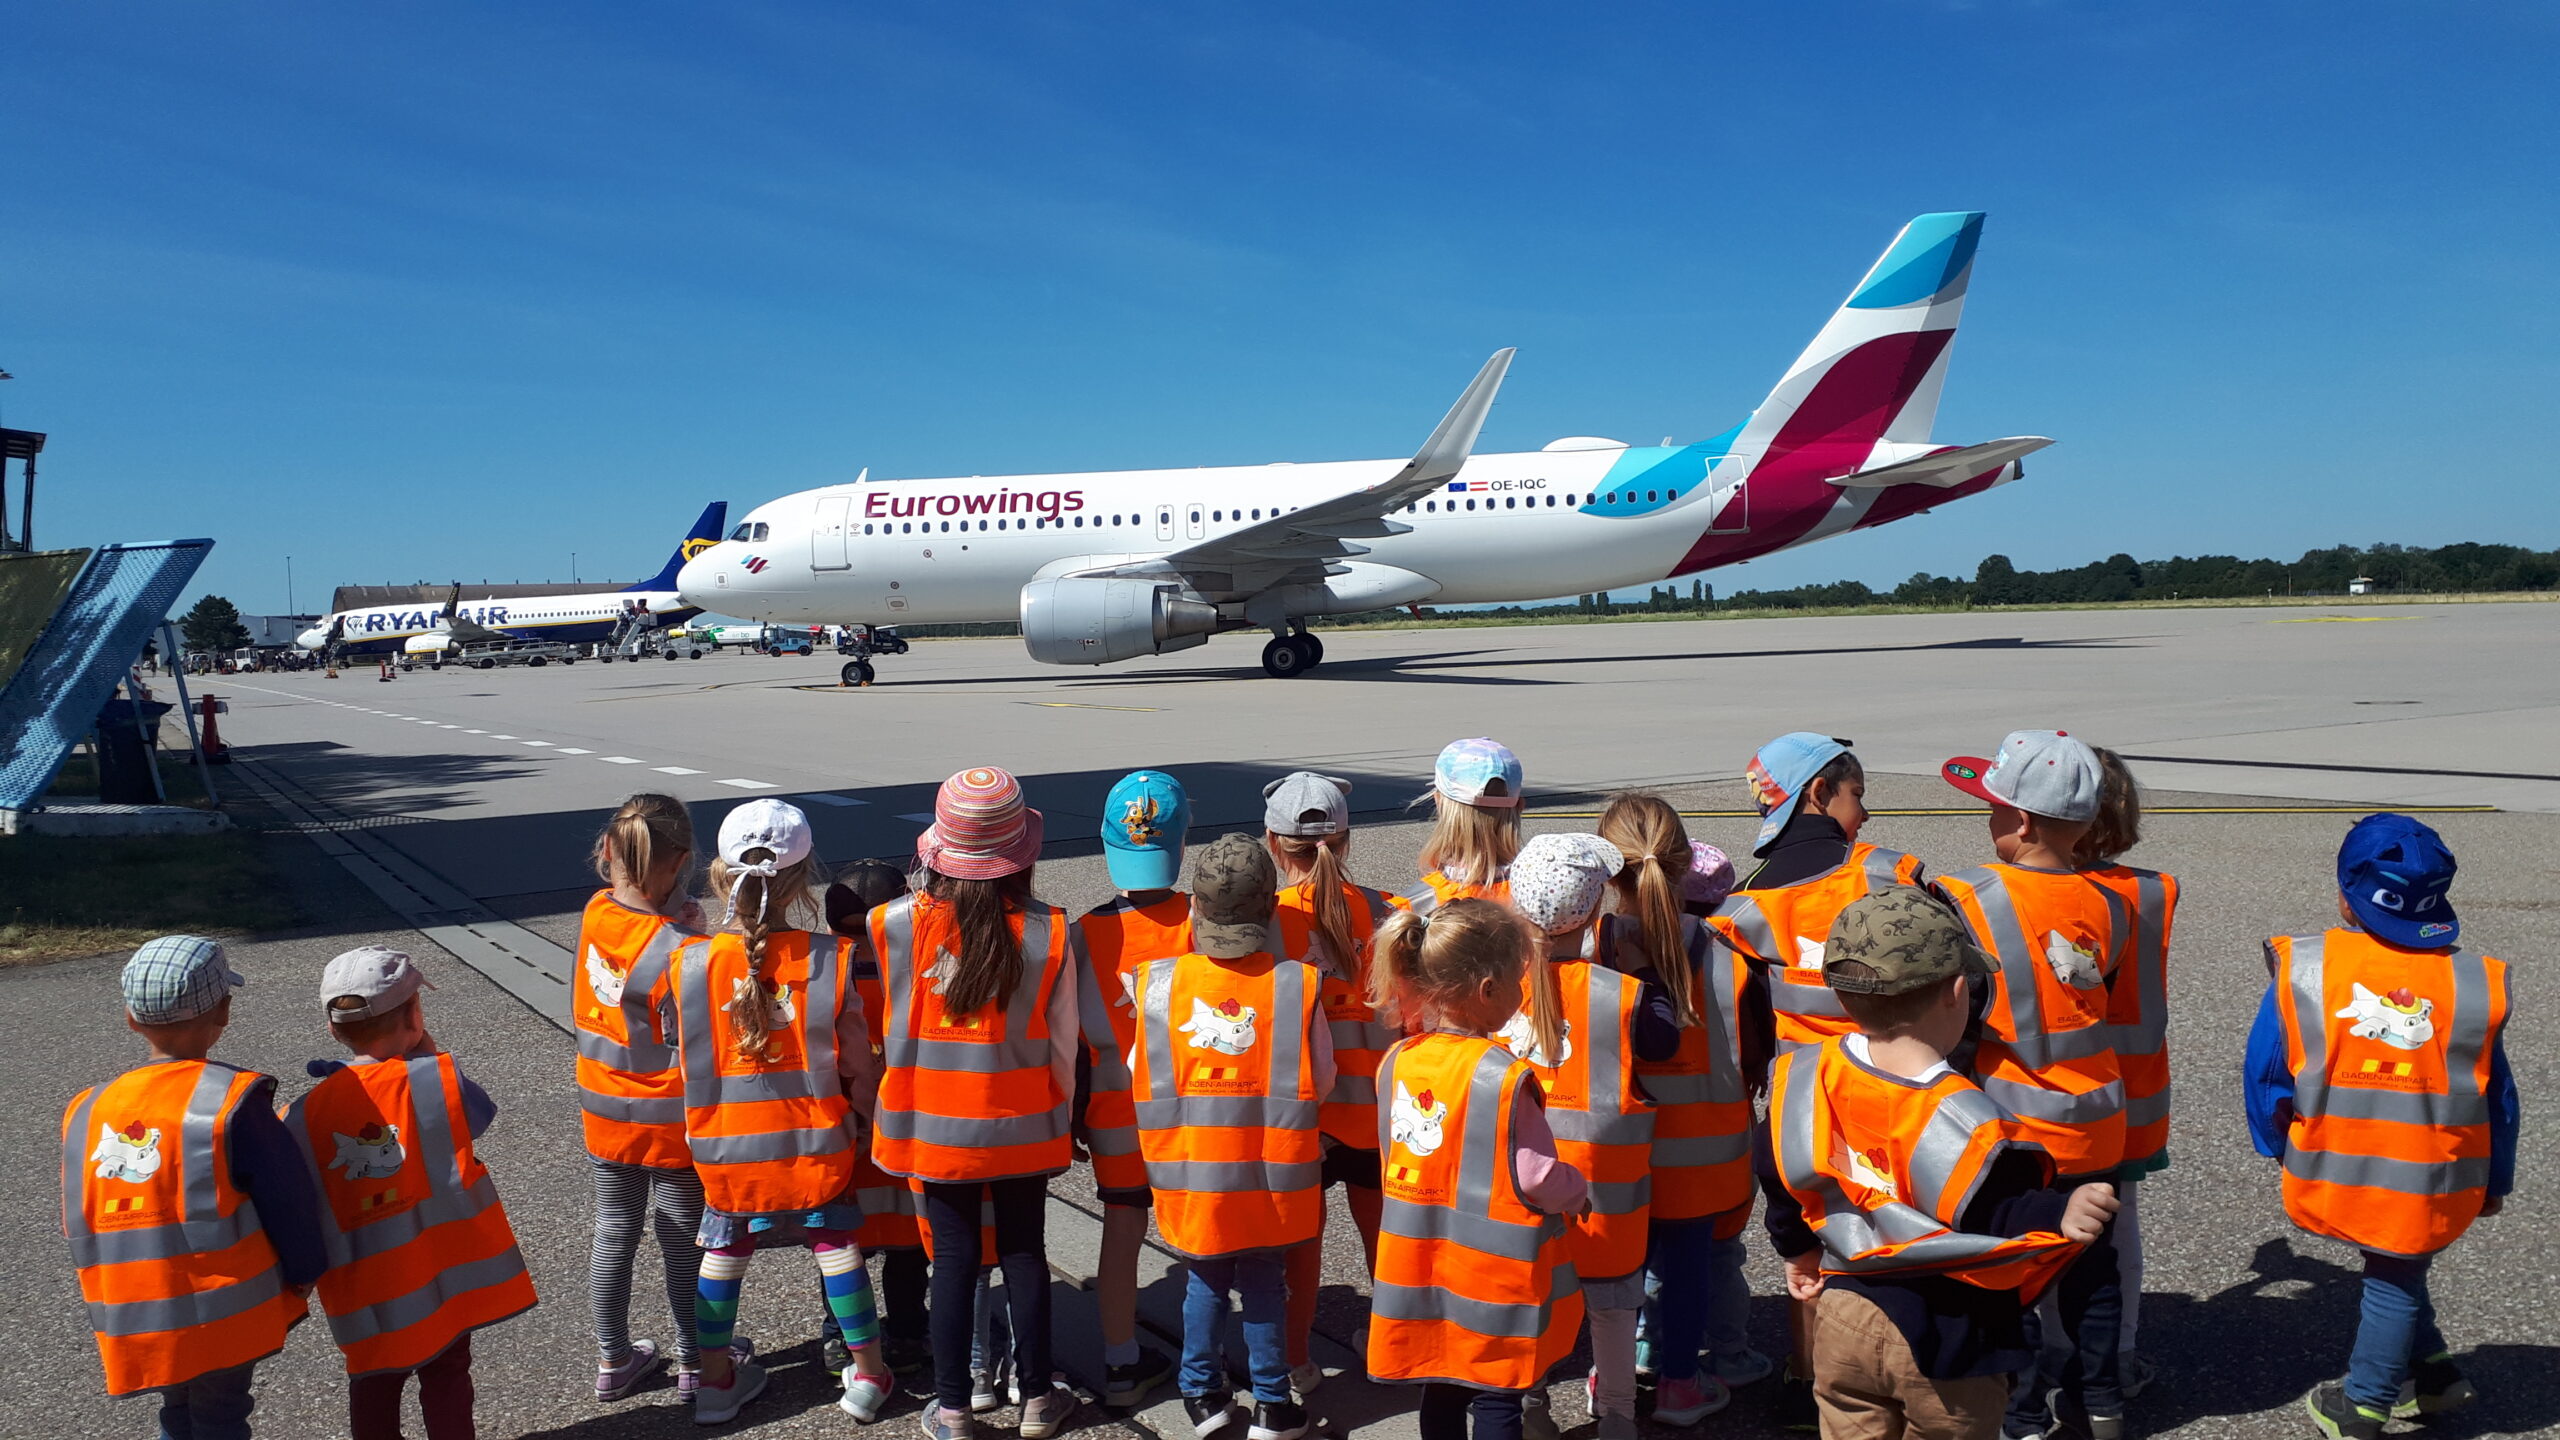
(274, 632)
(2361, 585)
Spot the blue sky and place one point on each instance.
(414, 291)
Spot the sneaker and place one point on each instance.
(1277, 1422)
(2340, 1418)
(1686, 1402)
(2134, 1373)
(905, 1356)
(941, 1424)
(1644, 1359)
(1048, 1413)
(1795, 1409)
(689, 1377)
(864, 1395)
(615, 1381)
(720, 1404)
(1303, 1380)
(1617, 1427)
(2103, 1427)
(1537, 1417)
(1209, 1413)
(1123, 1386)
(2434, 1386)
(1744, 1367)
(835, 1355)
(992, 1390)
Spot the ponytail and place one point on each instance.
(757, 905)
(1328, 882)
(2118, 826)
(1395, 958)
(1546, 1007)
(1648, 832)
(989, 963)
(644, 831)
(1417, 963)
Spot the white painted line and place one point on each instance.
(475, 732)
(622, 760)
(448, 727)
(539, 744)
(574, 750)
(676, 770)
(823, 797)
(922, 817)
(502, 737)
(751, 784)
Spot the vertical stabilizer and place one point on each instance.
(704, 535)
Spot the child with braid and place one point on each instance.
(775, 1054)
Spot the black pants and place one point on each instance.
(2091, 1297)
(1445, 1409)
(952, 1210)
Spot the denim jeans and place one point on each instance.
(1680, 1294)
(209, 1407)
(2091, 1298)
(1259, 1280)
(1728, 1298)
(2398, 1325)
(1021, 1206)
(1446, 1409)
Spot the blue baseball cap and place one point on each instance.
(2397, 876)
(1778, 774)
(1478, 772)
(177, 978)
(1143, 821)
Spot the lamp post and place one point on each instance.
(288, 585)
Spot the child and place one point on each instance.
(1709, 880)
(1145, 819)
(1475, 796)
(1902, 1196)
(630, 1095)
(2377, 1073)
(1702, 1124)
(1583, 1029)
(890, 1228)
(776, 1057)
(1232, 1060)
(140, 1154)
(2138, 1013)
(1476, 1198)
(2047, 1054)
(1328, 921)
(979, 1041)
(406, 1204)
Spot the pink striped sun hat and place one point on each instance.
(981, 828)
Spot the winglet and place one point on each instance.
(1445, 453)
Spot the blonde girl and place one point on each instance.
(776, 1057)
(631, 1097)
(1475, 792)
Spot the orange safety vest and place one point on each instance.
(179, 1275)
(768, 1131)
(2047, 1053)
(1702, 1102)
(1118, 937)
(1784, 928)
(1360, 1040)
(1226, 1096)
(630, 1096)
(1598, 1111)
(2390, 1051)
(1474, 1286)
(1884, 1168)
(1437, 890)
(892, 1218)
(2138, 1011)
(420, 1251)
(967, 1097)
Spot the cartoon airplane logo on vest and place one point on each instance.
(1226, 1027)
(131, 1154)
(1416, 1120)
(2401, 1019)
(373, 1153)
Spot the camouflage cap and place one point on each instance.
(1896, 940)
(1233, 889)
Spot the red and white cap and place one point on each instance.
(982, 828)
(2043, 772)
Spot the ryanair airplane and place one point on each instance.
(593, 615)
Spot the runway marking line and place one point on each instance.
(1078, 705)
(502, 737)
(622, 760)
(574, 750)
(2342, 619)
(675, 770)
(825, 798)
(751, 784)
(541, 744)
(925, 817)
(2147, 810)
(475, 732)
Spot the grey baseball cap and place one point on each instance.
(2043, 772)
(1898, 939)
(1306, 806)
(1233, 889)
(382, 978)
(177, 978)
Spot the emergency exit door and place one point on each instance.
(1164, 522)
(1194, 525)
(830, 534)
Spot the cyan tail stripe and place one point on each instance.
(1674, 472)
(1931, 255)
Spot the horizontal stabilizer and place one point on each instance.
(1948, 468)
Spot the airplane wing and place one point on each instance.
(1947, 468)
(1304, 545)
(464, 631)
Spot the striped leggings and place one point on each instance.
(672, 1201)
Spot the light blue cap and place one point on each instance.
(1468, 772)
(1143, 822)
(1778, 775)
(177, 978)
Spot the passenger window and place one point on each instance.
(1511, 502)
(1471, 504)
(1650, 497)
(1432, 506)
(866, 529)
(1671, 494)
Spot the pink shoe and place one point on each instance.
(1686, 1402)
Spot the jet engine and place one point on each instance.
(1093, 620)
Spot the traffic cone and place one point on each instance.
(386, 669)
(215, 752)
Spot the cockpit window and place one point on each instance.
(744, 531)
(763, 532)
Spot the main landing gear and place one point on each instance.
(1292, 655)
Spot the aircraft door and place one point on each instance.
(1194, 528)
(1732, 512)
(1164, 522)
(830, 533)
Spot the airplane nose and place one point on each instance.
(695, 581)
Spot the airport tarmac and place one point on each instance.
(469, 799)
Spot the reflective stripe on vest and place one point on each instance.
(629, 1092)
(1807, 1011)
(2138, 1008)
(938, 1144)
(2066, 1086)
(1239, 1171)
(1473, 1286)
(405, 1283)
(1702, 1120)
(1601, 1119)
(1350, 1110)
(2390, 1163)
(1915, 1232)
(766, 1137)
(1110, 1123)
(183, 1297)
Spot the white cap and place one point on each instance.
(764, 825)
(1557, 880)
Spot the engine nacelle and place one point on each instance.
(1094, 620)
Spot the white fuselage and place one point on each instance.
(589, 616)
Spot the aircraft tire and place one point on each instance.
(1314, 646)
(856, 673)
(1285, 659)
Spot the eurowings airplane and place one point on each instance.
(1108, 566)
(591, 615)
